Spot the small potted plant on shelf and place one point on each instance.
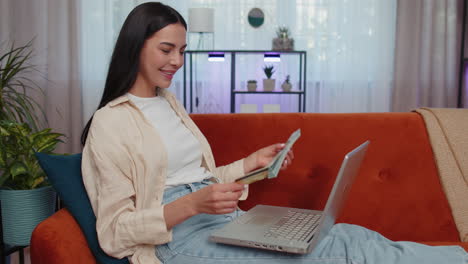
(282, 40)
(286, 86)
(251, 85)
(269, 83)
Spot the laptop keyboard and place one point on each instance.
(294, 226)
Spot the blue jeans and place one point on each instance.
(345, 244)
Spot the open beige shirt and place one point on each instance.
(124, 171)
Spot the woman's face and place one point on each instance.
(162, 55)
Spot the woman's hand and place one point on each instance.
(216, 198)
(264, 156)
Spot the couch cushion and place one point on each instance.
(58, 240)
(397, 192)
(64, 173)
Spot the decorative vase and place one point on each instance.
(22, 210)
(269, 84)
(283, 44)
(251, 87)
(286, 87)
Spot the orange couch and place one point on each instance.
(397, 193)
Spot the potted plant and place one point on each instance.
(15, 87)
(282, 40)
(286, 86)
(26, 199)
(269, 83)
(251, 85)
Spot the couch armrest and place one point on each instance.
(59, 239)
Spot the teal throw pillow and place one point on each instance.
(64, 173)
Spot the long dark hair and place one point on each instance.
(141, 24)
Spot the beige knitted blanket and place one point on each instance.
(448, 134)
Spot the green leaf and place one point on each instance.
(47, 148)
(45, 139)
(42, 132)
(22, 106)
(37, 182)
(15, 87)
(4, 132)
(17, 169)
(4, 177)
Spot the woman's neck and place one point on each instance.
(142, 89)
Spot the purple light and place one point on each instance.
(216, 56)
(271, 57)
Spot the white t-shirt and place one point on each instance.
(183, 149)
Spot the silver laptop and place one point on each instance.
(290, 229)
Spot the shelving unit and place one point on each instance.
(232, 57)
(463, 60)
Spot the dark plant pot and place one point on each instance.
(251, 87)
(283, 44)
(22, 210)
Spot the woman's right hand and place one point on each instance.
(218, 198)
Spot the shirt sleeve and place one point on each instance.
(108, 177)
(231, 172)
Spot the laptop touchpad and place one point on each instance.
(261, 220)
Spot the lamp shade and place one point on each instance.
(201, 20)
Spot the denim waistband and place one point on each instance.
(173, 193)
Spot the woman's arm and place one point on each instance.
(109, 179)
(213, 199)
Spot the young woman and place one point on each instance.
(151, 176)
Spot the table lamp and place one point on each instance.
(201, 28)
